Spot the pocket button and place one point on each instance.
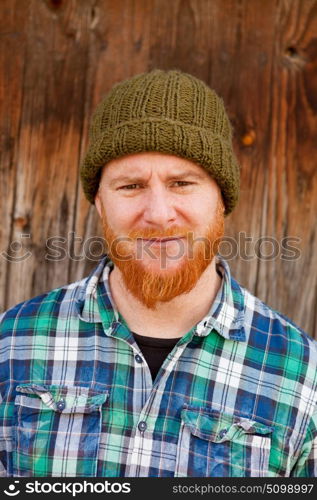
(60, 405)
(222, 433)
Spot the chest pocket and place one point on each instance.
(215, 444)
(57, 430)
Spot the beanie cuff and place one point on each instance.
(196, 144)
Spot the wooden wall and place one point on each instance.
(59, 57)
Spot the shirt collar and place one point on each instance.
(226, 315)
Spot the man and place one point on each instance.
(159, 363)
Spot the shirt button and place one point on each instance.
(61, 405)
(138, 359)
(142, 426)
(223, 432)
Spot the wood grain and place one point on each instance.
(58, 58)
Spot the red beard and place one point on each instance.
(150, 286)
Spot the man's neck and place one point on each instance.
(169, 319)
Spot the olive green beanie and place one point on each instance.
(166, 111)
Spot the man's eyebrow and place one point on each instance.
(137, 178)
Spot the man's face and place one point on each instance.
(163, 220)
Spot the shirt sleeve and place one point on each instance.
(306, 465)
(3, 361)
(3, 472)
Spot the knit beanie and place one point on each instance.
(166, 111)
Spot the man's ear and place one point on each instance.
(98, 203)
(223, 206)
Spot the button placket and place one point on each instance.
(139, 454)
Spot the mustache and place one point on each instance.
(152, 233)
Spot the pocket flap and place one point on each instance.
(64, 399)
(216, 426)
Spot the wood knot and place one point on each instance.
(291, 51)
(53, 5)
(249, 138)
(294, 57)
(56, 3)
(22, 222)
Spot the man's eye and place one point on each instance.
(183, 183)
(129, 186)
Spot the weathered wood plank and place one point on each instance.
(48, 141)
(12, 64)
(290, 285)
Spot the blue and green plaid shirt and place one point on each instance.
(235, 397)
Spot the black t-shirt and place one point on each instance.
(155, 350)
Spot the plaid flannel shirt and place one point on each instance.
(235, 397)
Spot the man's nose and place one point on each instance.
(159, 207)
